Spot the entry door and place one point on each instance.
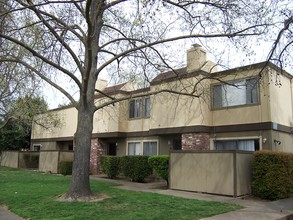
(112, 149)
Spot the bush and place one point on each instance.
(272, 175)
(160, 164)
(136, 168)
(31, 160)
(65, 167)
(110, 166)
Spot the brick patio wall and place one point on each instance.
(195, 141)
(97, 149)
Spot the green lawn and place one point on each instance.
(33, 195)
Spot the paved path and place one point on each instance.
(254, 209)
(7, 215)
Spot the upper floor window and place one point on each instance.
(147, 107)
(238, 92)
(140, 107)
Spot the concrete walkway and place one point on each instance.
(254, 209)
(5, 214)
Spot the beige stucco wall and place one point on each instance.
(66, 156)
(106, 119)
(48, 161)
(169, 110)
(280, 99)
(54, 124)
(243, 173)
(210, 172)
(254, 113)
(175, 110)
(50, 145)
(202, 172)
(9, 159)
(286, 140)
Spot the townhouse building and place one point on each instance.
(198, 107)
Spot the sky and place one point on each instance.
(217, 51)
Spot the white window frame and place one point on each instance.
(226, 90)
(147, 108)
(132, 142)
(150, 141)
(212, 140)
(137, 108)
(35, 145)
(141, 145)
(140, 110)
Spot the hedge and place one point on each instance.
(65, 167)
(272, 175)
(110, 166)
(160, 164)
(136, 168)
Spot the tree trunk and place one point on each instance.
(80, 186)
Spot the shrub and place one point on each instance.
(272, 175)
(160, 164)
(31, 160)
(65, 167)
(136, 168)
(110, 165)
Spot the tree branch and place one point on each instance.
(55, 34)
(229, 35)
(38, 55)
(44, 78)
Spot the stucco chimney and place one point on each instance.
(196, 58)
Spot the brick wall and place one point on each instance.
(97, 148)
(195, 141)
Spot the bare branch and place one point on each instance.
(43, 77)
(38, 55)
(240, 33)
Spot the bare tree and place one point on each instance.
(15, 80)
(80, 40)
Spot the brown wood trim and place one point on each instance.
(235, 174)
(243, 127)
(109, 134)
(51, 139)
(211, 151)
(181, 130)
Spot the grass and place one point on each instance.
(33, 195)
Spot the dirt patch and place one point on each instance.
(4, 207)
(93, 198)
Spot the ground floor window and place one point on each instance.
(134, 148)
(146, 148)
(37, 147)
(246, 145)
(150, 148)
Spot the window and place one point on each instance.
(134, 148)
(239, 92)
(147, 107)
(150, 148)
(140, 107)
(246, 145)
(146, 148)
(135, 108)
(37, 147)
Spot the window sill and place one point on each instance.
(235, 106)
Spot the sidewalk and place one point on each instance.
(254, 209)
(7, 215)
